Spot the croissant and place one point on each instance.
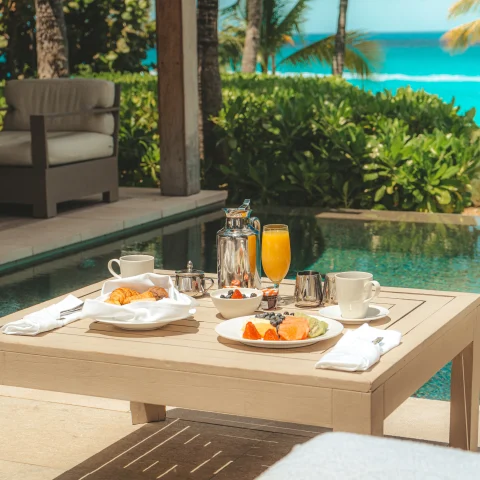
(120, 295)
(141, 296)
(159, 292)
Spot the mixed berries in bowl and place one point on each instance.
(237, 295)
(234, 302)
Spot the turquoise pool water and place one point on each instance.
(420, 255)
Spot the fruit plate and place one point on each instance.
(232, 330)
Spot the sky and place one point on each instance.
(383, 15)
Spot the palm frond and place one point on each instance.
(463, 6)
(231, 39)
(463, 36)
(292, 22)
(321, 50)
(232, 9)
(362, 55)
(281, 20)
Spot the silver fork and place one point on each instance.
(64, 313)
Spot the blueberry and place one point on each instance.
(286, 313)
(273, 323)
(292, 314)
(243, 295)
(230, 292)
(253, 295)
(223, 296)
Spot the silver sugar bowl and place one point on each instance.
(191, 281)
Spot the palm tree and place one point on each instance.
(339, 58)
(210, 85)
(252, 38)
(51, 37)
(282, 21)
(463, 36)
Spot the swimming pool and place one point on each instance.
(403, 254)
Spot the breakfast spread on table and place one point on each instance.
(125, 296)
(248, 314)
(283, 326)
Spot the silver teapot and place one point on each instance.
(191, 281)
(238, 249)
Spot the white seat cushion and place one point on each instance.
(63, 147)
(343, 456)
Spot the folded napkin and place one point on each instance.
(45, 319)
(178, 305)
(355, 351)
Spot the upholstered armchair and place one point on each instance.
(59, 142)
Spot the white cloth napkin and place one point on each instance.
(178, 305)
(45, 319)
(355, 350)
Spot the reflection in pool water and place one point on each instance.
(418, 255)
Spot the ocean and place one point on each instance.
(414, 59)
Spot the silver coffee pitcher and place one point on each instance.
(238, 249)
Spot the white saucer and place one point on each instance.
(374, 312)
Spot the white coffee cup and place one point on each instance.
(354, 293)
(131, 265)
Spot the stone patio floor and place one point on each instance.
(22, 236)
(48, 435)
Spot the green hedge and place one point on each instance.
(319, 142)
(324, 142)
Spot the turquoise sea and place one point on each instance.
(415, 59)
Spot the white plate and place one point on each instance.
(374, 312)
(142, 326)
(232, 330)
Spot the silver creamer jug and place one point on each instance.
(238, 249)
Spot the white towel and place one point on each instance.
(355, 351)
(45, 319)
(177, 305)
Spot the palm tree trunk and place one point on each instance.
(252, 37)
(210, 85)
(339, 56)
(274, 64)
(52, 46)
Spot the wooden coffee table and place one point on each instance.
(184, 364)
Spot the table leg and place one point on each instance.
(465, 390)
(147, 413)
(357, 412)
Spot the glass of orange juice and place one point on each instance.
(276, 255)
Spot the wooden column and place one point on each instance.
(178, 96)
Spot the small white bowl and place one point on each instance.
(232, 307)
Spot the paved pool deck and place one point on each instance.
(24, 238)
(92, 438)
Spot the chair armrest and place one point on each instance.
(93, 111)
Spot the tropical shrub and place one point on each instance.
(317, 142)
(139, 153)
(324, 142)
